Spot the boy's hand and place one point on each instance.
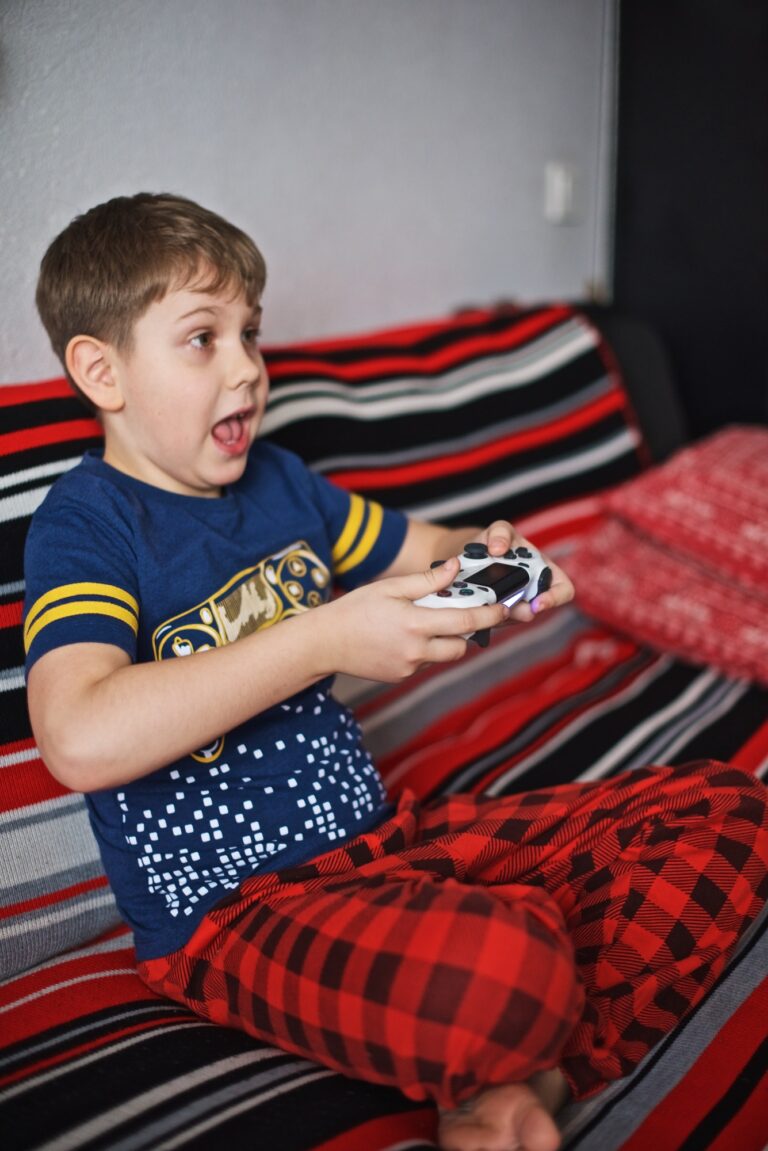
(379, 633)
(499, 537)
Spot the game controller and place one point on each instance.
(519, 574)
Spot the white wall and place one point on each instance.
(387, 155)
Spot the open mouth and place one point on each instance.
(231, 433)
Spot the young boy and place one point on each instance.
(182, 639)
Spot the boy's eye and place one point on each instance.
(251, 335)
(201, 340)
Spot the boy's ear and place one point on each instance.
(90, 363)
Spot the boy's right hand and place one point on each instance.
(378, 632)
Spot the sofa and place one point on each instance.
(537, 413)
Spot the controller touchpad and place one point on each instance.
(503, 579)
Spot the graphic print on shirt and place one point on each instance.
(282, 585)
(297, 789)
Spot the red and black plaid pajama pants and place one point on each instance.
(474, 941)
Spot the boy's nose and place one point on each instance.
(245, 369)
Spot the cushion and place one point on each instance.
(681, 561)
(709, 503)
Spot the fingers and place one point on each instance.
(560, 592)
(423, 583)
(450, 618)
(501, 536)
(442, 623)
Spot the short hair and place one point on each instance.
(101, 273)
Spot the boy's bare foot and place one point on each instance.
(515, 1117)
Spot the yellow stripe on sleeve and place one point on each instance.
(42, 611)
(81, 607)
(370, 535)
(350, 530)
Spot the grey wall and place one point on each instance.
(387, 155)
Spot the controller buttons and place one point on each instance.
(475, 551)
(445, 593)
(524, 553)
(467, 591)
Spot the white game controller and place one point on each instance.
(521, 573)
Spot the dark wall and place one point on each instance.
(691, 250)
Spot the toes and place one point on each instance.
(511, 1118)
(538, 1131)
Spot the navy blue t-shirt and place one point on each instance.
(111, 559)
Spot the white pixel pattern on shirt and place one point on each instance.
(216, 829)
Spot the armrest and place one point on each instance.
(648, 377)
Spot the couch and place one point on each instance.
(533, 413)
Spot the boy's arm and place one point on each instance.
(101, 720)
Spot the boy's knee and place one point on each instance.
(542, 995)
(500, 1002)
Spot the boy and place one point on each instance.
(181, 637)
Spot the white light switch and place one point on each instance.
(559, 192)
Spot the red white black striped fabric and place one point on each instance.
(530, 417)
(463, 420)
(54, 892)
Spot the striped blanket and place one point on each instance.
(522, 414)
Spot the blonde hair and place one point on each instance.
(101, 273)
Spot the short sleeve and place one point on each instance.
(80, 581)
(365, 536)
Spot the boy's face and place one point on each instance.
(193, 389)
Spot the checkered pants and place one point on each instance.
(475, 941)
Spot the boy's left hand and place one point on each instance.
(499, 537)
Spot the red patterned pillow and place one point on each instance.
(682, 561)
(710, 503)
